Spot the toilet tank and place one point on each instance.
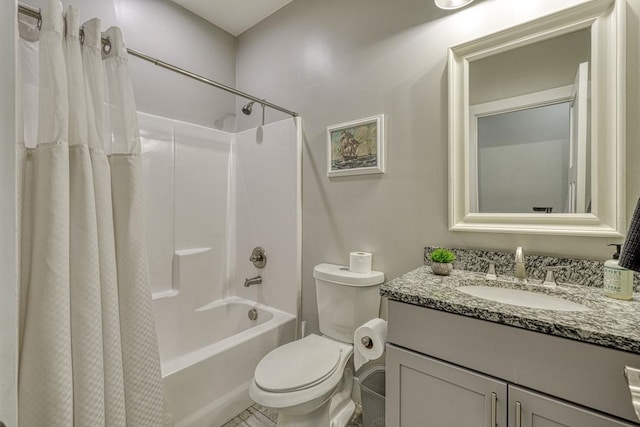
(346, 300)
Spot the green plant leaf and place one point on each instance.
(442, 255)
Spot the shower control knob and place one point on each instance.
(258, 257)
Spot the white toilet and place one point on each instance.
(308, 382)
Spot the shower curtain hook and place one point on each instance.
(263, 108)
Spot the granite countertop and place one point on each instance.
(608, 322)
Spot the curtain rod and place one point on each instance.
(35, 13)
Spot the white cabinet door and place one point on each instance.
(529, 409)
(425, 392)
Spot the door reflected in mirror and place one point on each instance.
(523, 160)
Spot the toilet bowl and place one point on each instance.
(308, 382)
(304, 380)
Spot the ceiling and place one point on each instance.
(233, 16)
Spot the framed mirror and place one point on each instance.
(536, 126)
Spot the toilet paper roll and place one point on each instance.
(360, 262)
(369, 341)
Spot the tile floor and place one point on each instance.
(254, 416)
(259, 416)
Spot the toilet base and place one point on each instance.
(342, 418)
(342, 406)
(319, 417)
(335, 412)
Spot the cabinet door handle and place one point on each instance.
(518, 414)
(494, 410)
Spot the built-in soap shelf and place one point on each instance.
(165, 294)
(189, 252)
(190, 266)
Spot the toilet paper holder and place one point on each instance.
(367, 342)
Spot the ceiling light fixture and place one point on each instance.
(451, 4)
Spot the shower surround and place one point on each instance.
(211, 197)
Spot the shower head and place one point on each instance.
(247, 108)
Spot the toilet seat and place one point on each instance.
(298, 365)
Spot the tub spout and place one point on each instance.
(253, 281)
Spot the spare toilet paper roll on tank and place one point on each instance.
(369, 341)
(360, 262)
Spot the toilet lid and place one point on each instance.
(298, 365)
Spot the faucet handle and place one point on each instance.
(550, 278)
(491, 269)
(258, 257)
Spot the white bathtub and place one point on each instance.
(208, 365)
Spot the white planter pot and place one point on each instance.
(441, 268)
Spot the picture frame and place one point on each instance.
(356, 147)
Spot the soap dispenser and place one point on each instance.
(618, 281)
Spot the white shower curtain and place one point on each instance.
(88, 349)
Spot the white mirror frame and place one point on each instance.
(607, 218)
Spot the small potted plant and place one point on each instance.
(441, 260)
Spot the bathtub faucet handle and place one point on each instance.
(253, 281)
(258, 257)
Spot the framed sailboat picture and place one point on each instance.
(356, 148)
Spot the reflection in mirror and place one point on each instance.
(536, 125)
(523, 159)
(529, 121)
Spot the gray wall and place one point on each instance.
(8, 212)
(335, 61)
(164, 30)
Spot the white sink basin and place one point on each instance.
(522, 298)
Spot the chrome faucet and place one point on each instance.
(253, 281)
(521, 272)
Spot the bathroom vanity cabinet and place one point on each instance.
(422, 388)
(444, 369)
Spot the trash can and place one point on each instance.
(372, 389)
